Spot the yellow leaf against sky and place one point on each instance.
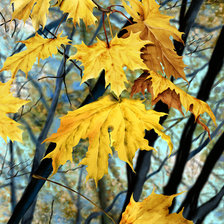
(152, 210)
(163, 89)
(127, 121)
(156, 28)
(37, 47)
(79, 9)
(39, 11)
(122, 52)
(9, 104)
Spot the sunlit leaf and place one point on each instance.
(79, 9)
(39, 11)
(120, 53)
(152, 210)
(37, 47)
(127, 121)
(156, 28)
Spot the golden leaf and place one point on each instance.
(37, 47)
(156, 28)
(9, 104)
(39, 11)
(152, 210)
(126, 120)
(164, 90)
(79, 9)
(122, 52)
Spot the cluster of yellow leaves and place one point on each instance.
(76, 9)
(120, 53)
(164, 90)
(127, 121)
(152, 210)
(39, 11)
(110, 123)
(9, 104)
(155, 27)
(37, 47)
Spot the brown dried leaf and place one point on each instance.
(156, 28)
(164, 90)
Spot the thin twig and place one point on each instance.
(52, 211)
(4, 22)
(105, 32)
(14, 31)
(55, 33)
(107, 10)
(70, 189)
(3, 163)
(22, 114)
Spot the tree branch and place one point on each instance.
(207, 207)
(215, 65)
(191, 200)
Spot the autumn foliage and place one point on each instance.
(112, 121)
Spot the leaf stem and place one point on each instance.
(111, 31)
(108, 45)
(55, 33)
(114, 10)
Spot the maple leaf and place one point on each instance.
(9, 104)
(152, 210)
(155, 27)
(164, 90)
(122, 52)
(127, 121)
(37, 47)
(39, 11)
(79, 9)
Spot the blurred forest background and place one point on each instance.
(196, 164)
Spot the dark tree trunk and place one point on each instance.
(40, 148)
(12, 182)
(215, 66)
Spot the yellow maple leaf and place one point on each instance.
(37, 47)
(127, 121)
(164, 90)
(39, 11)
(9, 104)
(155, 27)
(152, 210)
(79, 9)
(121, 52)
